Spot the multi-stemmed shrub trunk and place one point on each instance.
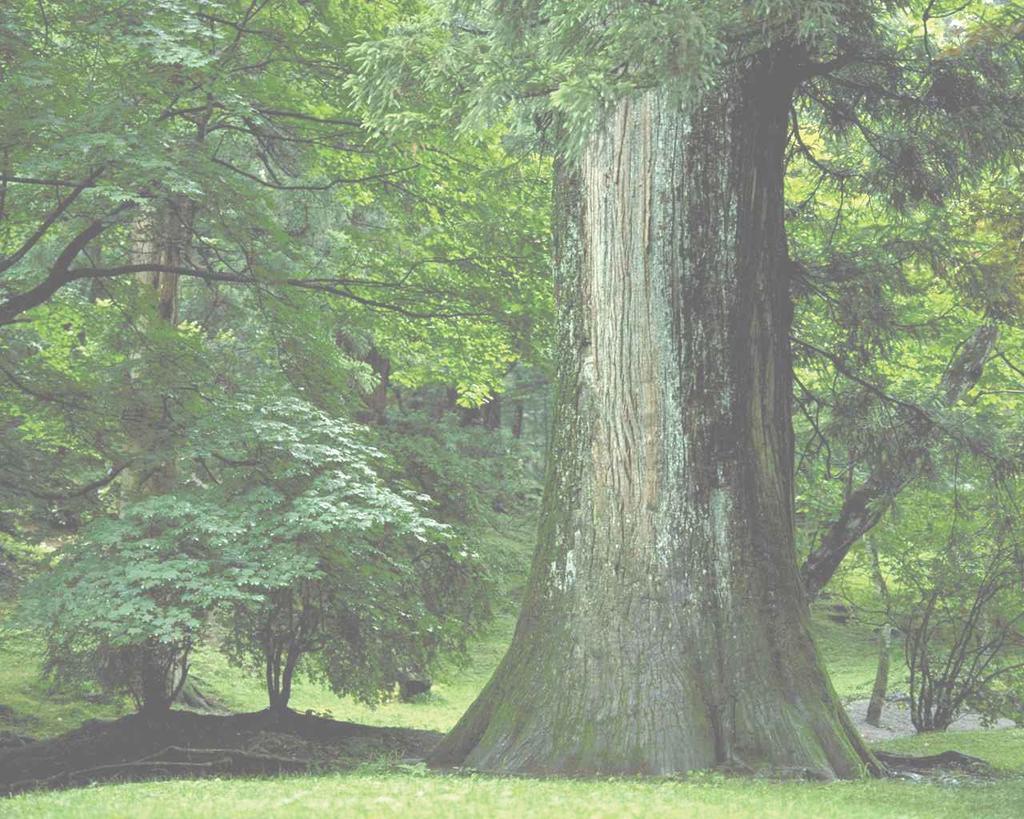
(154, 674)
(959, 635)
(280, 671)
(292, 625)
(664, 627)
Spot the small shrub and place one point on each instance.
(960, 625)
(295, 541)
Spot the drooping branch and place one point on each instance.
(339, 287)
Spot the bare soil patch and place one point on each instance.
(895, 721)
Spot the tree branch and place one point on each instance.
(61, 272)
(48, 220)
(865, 505)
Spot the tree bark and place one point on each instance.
(664, 627)
(159, 239)
(377, 400)
(518, 416)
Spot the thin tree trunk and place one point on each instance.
(664, 627)
(377, 400)
(518, 414)
(288, 674)
(487, 415)
(881, 686)
(491, 412)
(159, 239)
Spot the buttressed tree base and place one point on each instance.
(664, 628)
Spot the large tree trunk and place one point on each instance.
(664, 627)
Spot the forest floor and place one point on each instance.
(322, 737)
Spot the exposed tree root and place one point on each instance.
(191, 696)
(173, 760)
(182, 743)
(946, 761)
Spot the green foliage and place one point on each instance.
(206, 462)
(304, 241)
(296, 512)
(959, 607)
(468, 471)
(35, 704)
(542, 59)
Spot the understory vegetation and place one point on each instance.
(387, 786)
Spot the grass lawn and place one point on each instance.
(850, 653)
(414, 794)
(455, 687)
(37, 707)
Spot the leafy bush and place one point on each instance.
(468, 471)
(284, 530)
(383, 588)
(126, 603)
(960, 632)
(957, 596)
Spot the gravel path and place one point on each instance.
(896, 722)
